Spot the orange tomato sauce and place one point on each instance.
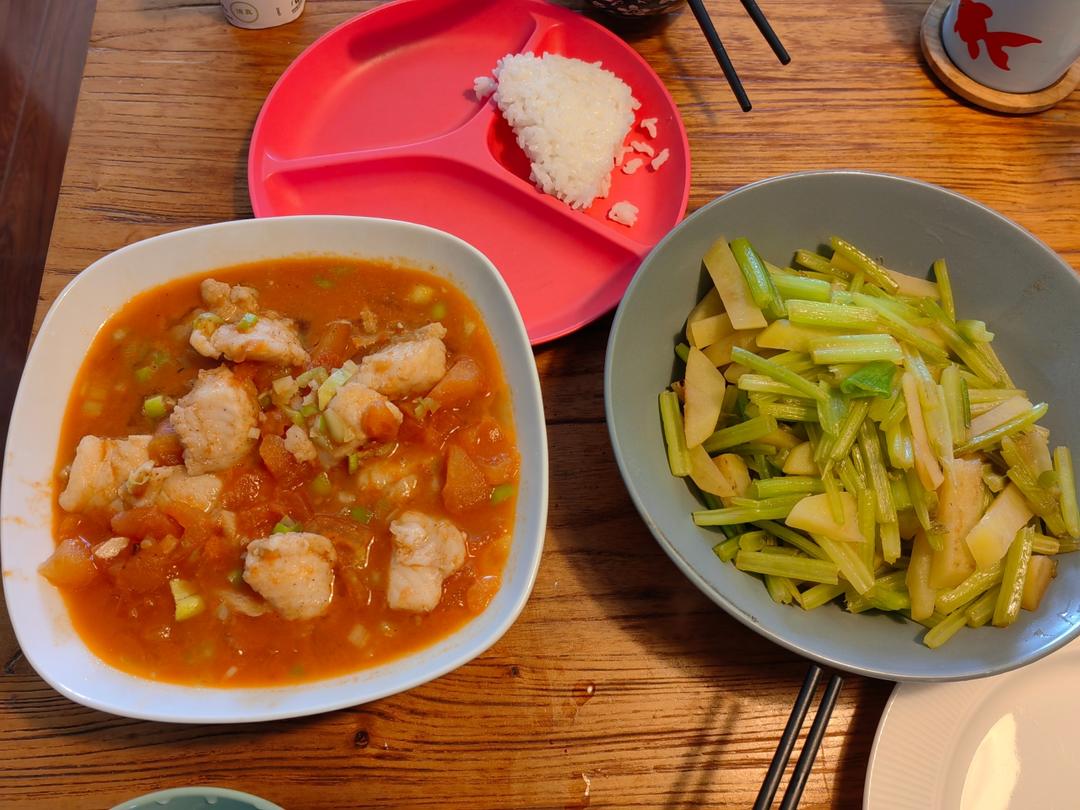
(125, 613)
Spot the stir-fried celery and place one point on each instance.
(851, 437)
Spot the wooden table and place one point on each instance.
(620, 685)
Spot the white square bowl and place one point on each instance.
(37, 610)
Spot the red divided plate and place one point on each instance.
(378, 118)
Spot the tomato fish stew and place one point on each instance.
(287, 470)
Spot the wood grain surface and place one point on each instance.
(620, 686)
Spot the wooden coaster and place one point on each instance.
(966, 87)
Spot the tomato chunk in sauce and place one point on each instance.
(283, 471)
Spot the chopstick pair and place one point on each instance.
(705, 22)
(791, 733)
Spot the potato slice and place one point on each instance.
(708, 306)
(1040, 571)
(732, 286)
(960, 505)
(704, 393)
(994, 533)
(707, 331)
(707, 475)
(736, 472)
(813, 515)
(800, 461)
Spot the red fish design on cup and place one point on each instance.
(971, 17)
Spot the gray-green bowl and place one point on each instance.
(197, 798)
(1001, 274)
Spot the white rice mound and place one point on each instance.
(570, 118)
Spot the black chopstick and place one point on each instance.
(780, 759)
(713, 38)
(787, 739)
(758, 16)
(810, 747)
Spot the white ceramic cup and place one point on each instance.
(261, 13)
(1019, 46)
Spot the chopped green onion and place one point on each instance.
(353, 462)
(502, 493)
(93, 407)
(315, 375)
(361, 514)
(247, 323)
(235, 576)
(321, 486)
(324, 283)
(154, 407)
(285, 526)
(438, 312)
(144, 374)
(874, 379)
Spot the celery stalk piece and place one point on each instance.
(1007, 607)
(727, 550)
(941, 276)
(1040, 500)
(981, 610)
(849, 428)
(900, 328)
(833, 495)
(994, 435)
(759, 383)
(831, 409)
(778, 372)
(749, 431)
(752, 541)
(791, 285)
(952, 386)
(734, 515)
(926, 464)
(682, 351)
(975, 584)
(876, 472)
(974, 331)
(799, 411)
(864, 509)
(917, 578)
(785, 485)
(734, 291)
(758, 279)
(778, 592)
(802, 569)
(793, 538)
(819, 595)
(955, 341)
(946, 629)
(674, 436)
(890, 541)
(919, 499)
(855, 349)
(833, 316)
(875, 273)
(846, 556)
(815, 262)
(1042, 544)
(1063, 466)
(899, 448)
